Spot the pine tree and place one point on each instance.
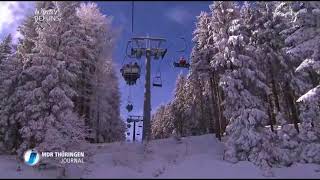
(258, 60)
(99, 93)
(295, 84)
(10, 67)
(105, 117)
(201, 55)
(162, 122)
(6, 48)
(269, 45)
(46, 111)
(303, 45)
(243, 85)
(179, 107)
(28, 31)
(199, 118)
(201, 52)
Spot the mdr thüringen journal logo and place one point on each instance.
(31, 157)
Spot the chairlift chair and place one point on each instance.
(157, 82)
(128, 125)
(137, 53)
(129, 107)
(130, 73)
(182, 63)
(160, 53)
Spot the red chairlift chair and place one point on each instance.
(182, 63)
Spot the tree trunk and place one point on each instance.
(216, 105)
(275, 92)
(292, 106)
(273, 98)
(314, 78)
(222, 118)
(202, 121)
(212, 113)
(271, 112)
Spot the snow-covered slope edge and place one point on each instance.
(194, 157)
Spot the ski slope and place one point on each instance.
(194, 157)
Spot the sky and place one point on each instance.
(167, 19)
(12, 14)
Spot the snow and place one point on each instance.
(311, 95)
(308, 63)
(8, 168)
(194, 157)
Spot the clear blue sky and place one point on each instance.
(167, 19)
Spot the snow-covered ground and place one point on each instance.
(195, 157)
(8, 170)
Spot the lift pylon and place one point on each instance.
(150, 47)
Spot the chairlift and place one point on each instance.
(128, 133)
(135, 52)
(138, 134)
(156, 55)
(140, 126)
(129, 107)
(128, 125)
(160, 53)
(157, 82)
(182, 61)
(130, 73)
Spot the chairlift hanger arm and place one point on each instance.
(128, 44)
(185, 45)
(132, 11)
(149, 38)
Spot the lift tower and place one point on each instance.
(150, 47)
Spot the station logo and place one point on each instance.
(31, 157)
(46, 16)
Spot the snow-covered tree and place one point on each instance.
(178, 114)
(199, 104)
(201, 55)
(198, 99)
(6, 47)
(303, 45)
(179, 110)
(99, 93)
(267, 44)
(105, 110)
(46, 112)
(201, 52)
(242, 83)
(162, 122)
(258, 59)
(10, 67)
(28, 31)
(295, 84)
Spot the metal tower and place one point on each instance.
(150, 47)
